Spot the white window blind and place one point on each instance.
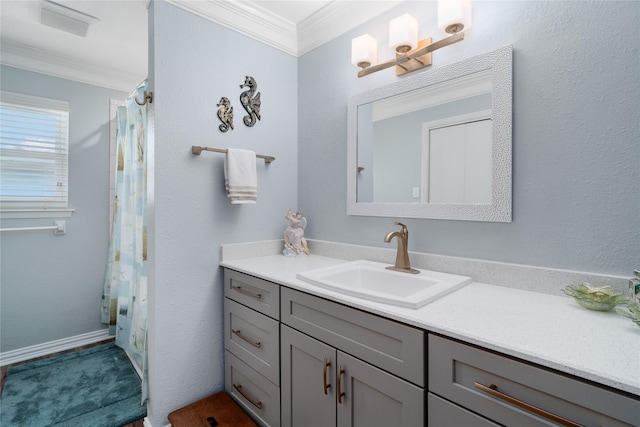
(34, 141)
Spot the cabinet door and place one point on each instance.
(307, 386)
(373, 397)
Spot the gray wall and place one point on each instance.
(51, 286)
(576, 115)
(195, 62)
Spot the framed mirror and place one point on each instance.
(436, 145)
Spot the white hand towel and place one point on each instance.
(240, 176)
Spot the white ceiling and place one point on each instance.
(114, 53)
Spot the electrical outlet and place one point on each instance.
(416, 192)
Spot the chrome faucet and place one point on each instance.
(402, 257)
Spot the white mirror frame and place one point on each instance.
(499, 62)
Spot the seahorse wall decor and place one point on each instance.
(225, 114)
(250, 100)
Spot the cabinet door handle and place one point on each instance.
(493, 390)
(238, 387)
(324, 375)
(243, 291)
(239, 334)
(340, 392)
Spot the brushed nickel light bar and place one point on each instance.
(454, 16)
(415, 59)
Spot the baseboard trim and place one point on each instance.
(147, 423)
(52, 347)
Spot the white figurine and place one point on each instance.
(294, 242)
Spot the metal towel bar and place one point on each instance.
(197, 150)
(59, 228)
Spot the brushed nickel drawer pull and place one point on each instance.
(239, 334)
(242, 291)
(324, 375)
(493, 390)
(340, 392)
(239, 388)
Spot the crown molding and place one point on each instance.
(335, 19)
(37, 60)
(248, 18)
(245, 18)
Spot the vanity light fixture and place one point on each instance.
(454, 16)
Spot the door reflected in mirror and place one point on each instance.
(456, 160)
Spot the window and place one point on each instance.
(34, 140)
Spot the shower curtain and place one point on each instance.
(124, 299)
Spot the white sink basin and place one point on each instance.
(371, 280)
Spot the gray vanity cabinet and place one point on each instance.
(294, 359)
(324, 385)
(252, 345)
(469, 383)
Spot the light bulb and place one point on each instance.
(454, 15)
(403, 33)
(364, 51)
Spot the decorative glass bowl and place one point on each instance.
(599, 299)
(632, 311)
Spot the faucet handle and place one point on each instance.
(404, 227)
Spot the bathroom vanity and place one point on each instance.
(297, 354)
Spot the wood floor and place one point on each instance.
(138, 423)
(3, 374)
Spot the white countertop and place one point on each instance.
(549, 330)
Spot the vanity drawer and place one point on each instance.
(258, 294)
(457, 372)
(254, 338)
(389, 345)
(257, 395)
(442, 413)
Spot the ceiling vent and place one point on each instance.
(66, 19)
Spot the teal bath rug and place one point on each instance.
(95, 387)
